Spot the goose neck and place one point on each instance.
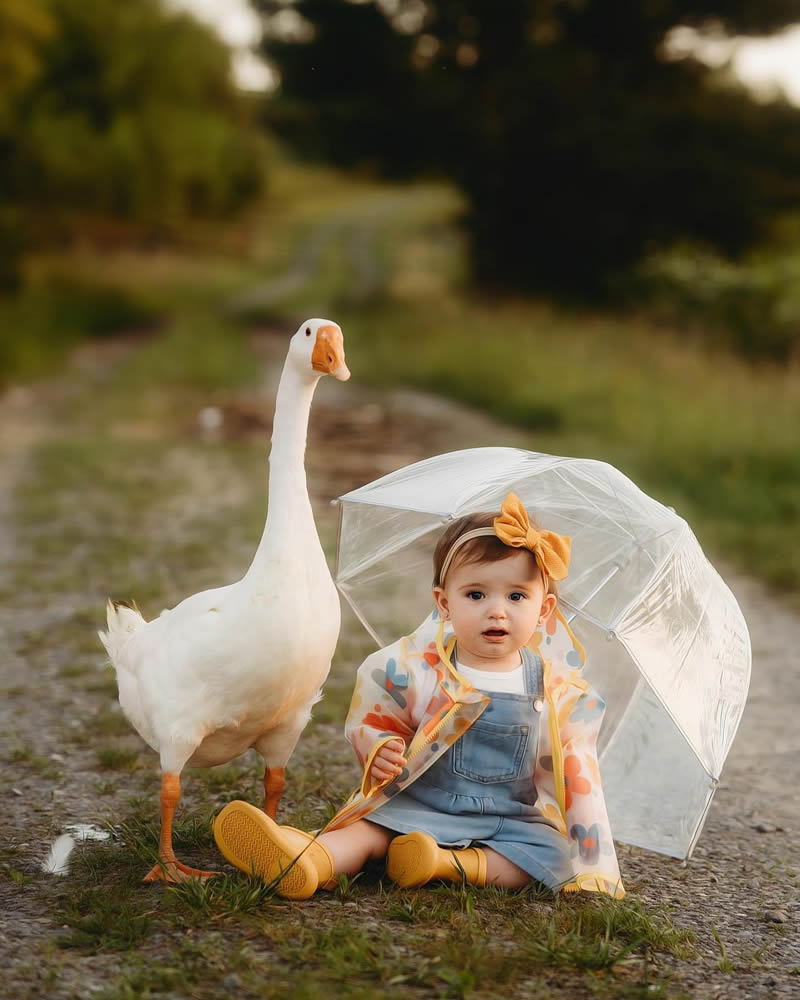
(290, 520)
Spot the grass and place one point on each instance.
(724, 964)
(222, 898)
(101, 920)
(116, 759)
(46, 322)
(603, 935)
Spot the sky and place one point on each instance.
(763, 64)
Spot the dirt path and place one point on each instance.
(740, 891)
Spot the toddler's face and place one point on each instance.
(495, 607)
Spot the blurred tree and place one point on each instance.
(24, 27)
(121, 109)
(580, 142)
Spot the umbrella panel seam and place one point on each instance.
(678, 726)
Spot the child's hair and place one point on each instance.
(484, 548)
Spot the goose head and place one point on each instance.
(318, 349)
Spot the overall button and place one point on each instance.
(538, 705)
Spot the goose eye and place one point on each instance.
(308, 331)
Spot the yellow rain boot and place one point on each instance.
(416, 858)
(253, 842)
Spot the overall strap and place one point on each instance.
(533, 673)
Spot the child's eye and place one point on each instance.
(517, 596)
(474, 595)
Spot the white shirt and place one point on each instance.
(506, 681)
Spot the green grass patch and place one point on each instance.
(223, 897)
(48, 319)
(72, 670)
(25, 755)
(140, 835)
(601, 934)
(103, 903)
(106, 686)
(200, 966)
(107, 723)
(101, 920)
(117, 759)
(227, 778)
(724, 964)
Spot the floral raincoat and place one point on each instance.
(411, 690)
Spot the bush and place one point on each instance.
(752, 308)
(43, 323)
(129, 111)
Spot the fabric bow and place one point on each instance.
(513, 528)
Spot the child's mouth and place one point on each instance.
(495, 633)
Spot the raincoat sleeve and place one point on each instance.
(388, 702)
(580, 713)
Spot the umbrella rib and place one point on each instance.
(616, 496)
(343, 591)
(382, 553)
(395, 506)
(696, 629)
(678, 726)
(579, 609)
(623, 718)
(594, 505)
(702, 821)
(656, 573)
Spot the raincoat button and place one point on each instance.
(538, 705)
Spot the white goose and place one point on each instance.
(240, 666)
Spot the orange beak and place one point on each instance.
(328, 354)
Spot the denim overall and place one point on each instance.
(481, 790)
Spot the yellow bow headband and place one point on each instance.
(513, 528)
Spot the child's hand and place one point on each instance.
(389, 761)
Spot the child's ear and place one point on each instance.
(440, 598)
(548, 607)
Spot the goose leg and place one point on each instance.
(274, 783)
(168, 868)
(276, 746)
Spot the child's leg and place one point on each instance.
(354, 845)
(500, 871)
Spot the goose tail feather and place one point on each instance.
(123, 620)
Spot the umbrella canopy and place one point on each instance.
(667, 645)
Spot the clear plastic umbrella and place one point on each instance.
(667, 645)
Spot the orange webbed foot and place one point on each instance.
(173, 873)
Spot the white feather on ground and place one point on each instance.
(57, 860)
(85, 831)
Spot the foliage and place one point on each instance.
(579, 143)
(44, 323)
(752, 308)
(116, 109)
(25, 25)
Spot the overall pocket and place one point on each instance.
(490, 753)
